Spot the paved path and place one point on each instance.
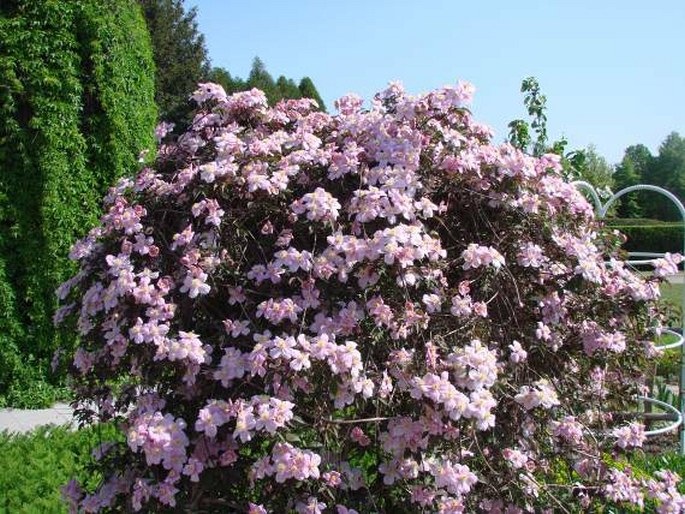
(676, 279)
(20, 420)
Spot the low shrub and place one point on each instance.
(36, 465)
(377, 311)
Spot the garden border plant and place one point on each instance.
(377, 311)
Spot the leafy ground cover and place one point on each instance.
(35, 465)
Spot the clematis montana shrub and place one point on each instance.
(378, 311)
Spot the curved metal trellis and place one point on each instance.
(648, 258)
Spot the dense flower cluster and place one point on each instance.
(377, 311)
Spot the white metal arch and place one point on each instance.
(647, 258)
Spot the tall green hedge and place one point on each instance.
(77, 106)
(650, 235)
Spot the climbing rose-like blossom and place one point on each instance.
(195, 283)
(629, 436)
(161, 438)
(374, 310)
(318, 206)
(476, 256)
(668, 265)
(541, 395)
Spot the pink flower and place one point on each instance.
(275, 311)
(475, 366)
(568, 429)
(183, 238)
(542, 395)
(186, 347)
(462, 306)
(530, 255)
(195, 283)
(332, 478)
(622, 487)
(256, 509)
(162, 130)
(233, 365)
(432, 302)
(516, 458)
(668, 265)
(319, 206)
(476, 256)
(358, 436)
(161, 437)
(629, 436)
(455, 478)
(313, 506)
(215, 414)
(245, 424)
(518, 354)
(349, 104)
(208, 91)
(193, 469)
(272, 413)
(289, 462)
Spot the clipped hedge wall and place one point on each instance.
(650, 235)
(77, 104)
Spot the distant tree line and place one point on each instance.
(665, 169)
(275, 90)
(182, 61)
(638, 166)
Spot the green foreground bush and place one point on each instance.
(35, 465)
(77, 104)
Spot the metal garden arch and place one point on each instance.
(647, 258)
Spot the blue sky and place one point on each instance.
(613, 71)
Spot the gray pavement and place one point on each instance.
(676, 279)
(21, 420)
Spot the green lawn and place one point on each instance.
(673, 294)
